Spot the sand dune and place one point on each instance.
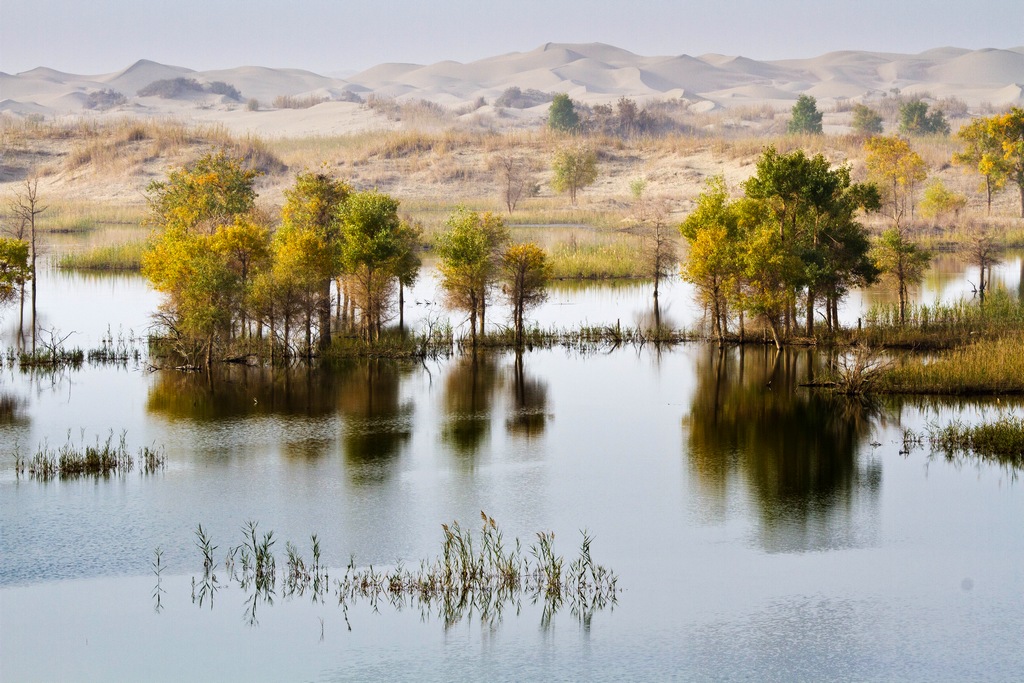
(590, 72)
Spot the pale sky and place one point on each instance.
(102, 36)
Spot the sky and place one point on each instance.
(338, 36)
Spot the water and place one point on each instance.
(760, 532)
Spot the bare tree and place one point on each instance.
(25, 206)
(657, 237)
(982, 248)
(515, 176)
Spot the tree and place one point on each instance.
(210, 192)
(713, 263)
(982, 248)
(939, 201)
(574, 168)
(902, 262)
(657, 245)
(372, 246)
(202, 255)
(897, 169)
(866, 121)
(525, 273)
(1008, 129)
(806, 117)
(313, 204)
(562, 114)
(515, 177)
(470, 251)
(984, 152)
(26, 208)
(915, 119)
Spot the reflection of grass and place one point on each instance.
(124, 256)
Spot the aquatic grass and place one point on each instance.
(943, 325)
(100, 459)
(985, 367)
(122, 349)
(471, 576)
(602, 260)
(1000, 441)
(126, 256)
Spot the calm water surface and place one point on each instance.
(760, 532)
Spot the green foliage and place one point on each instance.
(939, 201)
(470, 251)
(983, 151)
(524, 274)
(1008, 129)
(14, 268)
(916, 120)
(806, 117)
(897, 169)
(902, 262)
(562, 114)
(866, 121)
(574, 167)
(209, 192)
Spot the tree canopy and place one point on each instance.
(806, 117)
(562, 114)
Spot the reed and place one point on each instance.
(472, 575)
(126, 256)
(604, 260)
(1000, 441)
(100, 459)
(986, 367)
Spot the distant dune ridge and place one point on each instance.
(592, 73)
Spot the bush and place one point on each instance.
(222, 88)
(177, 87)
(104, 99)
(514, 98)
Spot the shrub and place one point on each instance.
(104, 99)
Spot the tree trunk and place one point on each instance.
(324, 310)
(810, 312)
(401, 306)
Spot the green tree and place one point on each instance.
(313, 204)
(574, 168)
(200, 197)
(1008, 129)
(470, 250)
(372, 239)
(897, 169)
(939, 201)
(713, 263)
(916, 120)
(806, 117)
(902, 262)
(866, 121)
(984, 152)
(202, 272)
(562, 114)
(525, 273)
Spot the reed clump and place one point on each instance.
(479, 575)
(126, 256)
(100, 459)
(1000, 441)
(944, 325)
(985, 367)
(603, 260)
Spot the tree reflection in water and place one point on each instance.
(378, 423)
(794, 450)
(528, 412)
(468, 402)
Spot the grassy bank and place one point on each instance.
(993, 366)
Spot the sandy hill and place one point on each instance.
(590, 72)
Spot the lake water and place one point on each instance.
(759, 531)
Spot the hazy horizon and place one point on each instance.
(108, 35)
